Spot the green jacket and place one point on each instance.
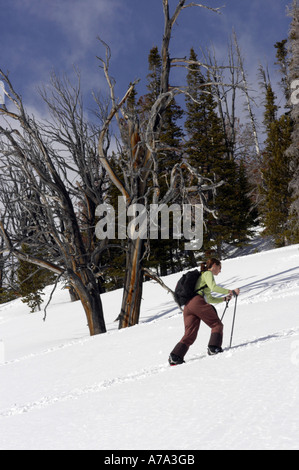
(208, 285)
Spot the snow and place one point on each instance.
(61, 389)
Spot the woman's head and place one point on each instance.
(213, 264)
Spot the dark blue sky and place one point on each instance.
(38, 36)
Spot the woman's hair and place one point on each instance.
(208, 264)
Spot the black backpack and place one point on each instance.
(185, 289)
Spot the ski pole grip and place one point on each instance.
(235, 293)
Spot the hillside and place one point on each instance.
(62, 389)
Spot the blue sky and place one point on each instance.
(39, 36)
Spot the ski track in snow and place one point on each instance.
(77, 393)
(82, 341)
(69, 344)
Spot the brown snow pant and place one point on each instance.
(195, 311)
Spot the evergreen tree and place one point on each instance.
(207, 151)
(205, 144)
(271, 109)
(245, 219)
(171, 135)
(195, 116)
(165, 251)
(8, 290)
(276, 171)
(282, 61)
(292, 152)
(32, 280)
(154, 76)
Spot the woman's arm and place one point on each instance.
(208, 281)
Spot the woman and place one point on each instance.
(199, 308)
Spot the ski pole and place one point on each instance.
(233, 326)
(227, 302)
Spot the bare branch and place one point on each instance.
(149, 273)
(215, 10)
(103, 157)
(26, 257)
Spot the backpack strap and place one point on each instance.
(201, 289)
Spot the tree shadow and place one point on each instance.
(269, 282)
(265, 339)
(156, 316)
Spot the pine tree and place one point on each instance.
(292, 152)
(32, 280)
(171, 135)
(195, 116)
(154, 76)
(245, 217)
(205, 144)
(207, 151)
(271, 109)
(282, 61)
(276, 172)
(165, 251)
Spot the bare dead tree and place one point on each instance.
(241, 142)
(226, 95)
(140, 150)
(51, 174)
(246, 92)
(226, 91)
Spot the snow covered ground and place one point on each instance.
(61, 389)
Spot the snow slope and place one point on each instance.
(61, 389)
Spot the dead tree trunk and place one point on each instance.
(130, 309)
(140, 163)
(87, 290)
